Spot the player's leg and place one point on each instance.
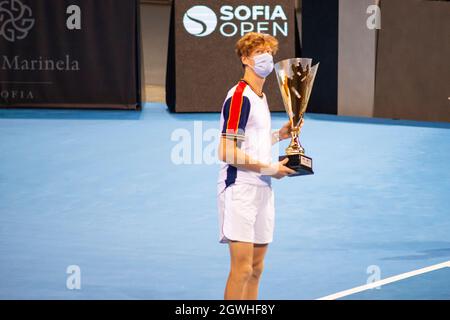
(251, 289)
(264, 227)
(241, 254)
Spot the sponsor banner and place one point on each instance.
(69, 53)
(202, 63)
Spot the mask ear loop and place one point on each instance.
(247, 65)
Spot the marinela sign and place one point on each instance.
(39, 64)
(61, 54)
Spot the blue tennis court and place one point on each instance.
(100, 190)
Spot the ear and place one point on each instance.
(245, 60)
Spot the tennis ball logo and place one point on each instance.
(200, 21)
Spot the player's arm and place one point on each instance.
(230, 153)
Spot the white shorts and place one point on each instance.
(246, 213)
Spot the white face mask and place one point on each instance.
(263, 64)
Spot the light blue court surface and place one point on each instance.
(98, 189)
(433, 285)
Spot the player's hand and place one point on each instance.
(285, 131)
(281, 170)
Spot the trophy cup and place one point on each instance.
(295, 79)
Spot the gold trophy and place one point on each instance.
(296, 78)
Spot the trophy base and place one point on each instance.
(300, 163)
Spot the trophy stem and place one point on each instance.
(295, 146)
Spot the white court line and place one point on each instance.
(386, 281)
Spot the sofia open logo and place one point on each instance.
(16, 20)
(237, 20)
(200, 21)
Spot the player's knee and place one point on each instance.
(257, 270)
(242, 272)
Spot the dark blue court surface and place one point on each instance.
(99, 189)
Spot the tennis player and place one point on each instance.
(245, 196)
